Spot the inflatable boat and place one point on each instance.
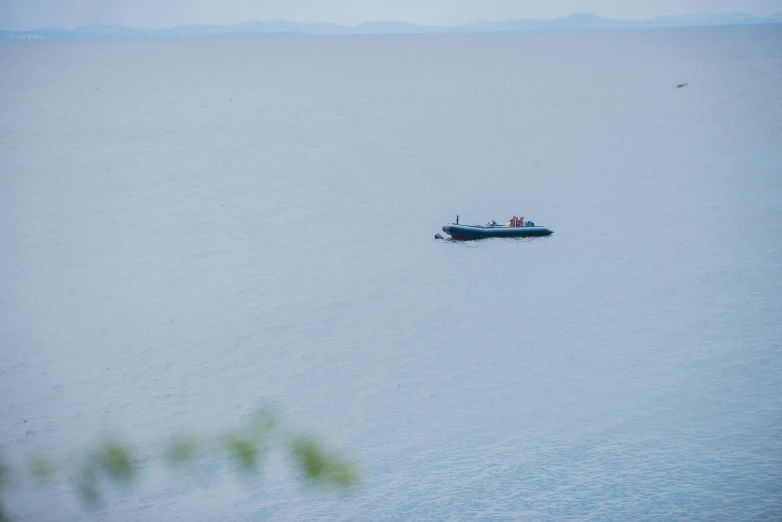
(467, 232)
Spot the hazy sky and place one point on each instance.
(32, 14)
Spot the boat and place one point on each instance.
(468, 232)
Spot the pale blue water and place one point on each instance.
(191, 228)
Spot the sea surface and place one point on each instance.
(191, 229)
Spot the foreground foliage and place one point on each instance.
(115, 462)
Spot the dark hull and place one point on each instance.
(477, 232)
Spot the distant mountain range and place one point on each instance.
(251, 29)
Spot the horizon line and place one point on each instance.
(586, 15)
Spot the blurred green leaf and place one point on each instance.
(41, 467)
(320, 466)
(343, 474)
(310, 457)
(243, 451)
(181, 450)
(115, 459)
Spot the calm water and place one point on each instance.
(192, 228)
